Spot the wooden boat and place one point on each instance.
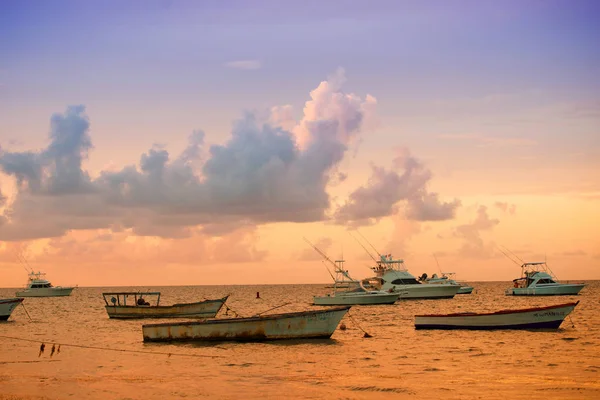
(7, 306)
(528, 318)
(139, 307)
(295, 325)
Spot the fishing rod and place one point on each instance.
(373, 247)
(364, 248)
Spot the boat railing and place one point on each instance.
(139, 299)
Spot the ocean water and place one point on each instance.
(396, 362)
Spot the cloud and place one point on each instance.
(490, 141)
(109, 248)
(244, 64)
(506, 207)
(407, 180)
(473, 245)
(260, 175)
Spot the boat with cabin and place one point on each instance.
(7, 306)
(347, 290)
(295, 325)
(356, 294)
(528, 318)
(38, 286)
(392, 275)
(132, 305)
(447, 278)
(538, 280)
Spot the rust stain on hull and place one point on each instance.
(304, 325)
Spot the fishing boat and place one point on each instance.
(7, 306)
(130, 305)
(447, 278)
(392, 275)
(354, 293)
(356, 297)
(528, 318)
(295, 325)
(38, 286)
(538, 280)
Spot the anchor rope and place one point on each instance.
(110, 348)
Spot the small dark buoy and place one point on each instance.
(257, 295)
(366, 335)
(342, 327)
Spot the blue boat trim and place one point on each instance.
(535, 325)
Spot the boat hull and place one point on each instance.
(356, 299)
(425, 291)
(532, 318)
(202, 309)
(465, 290)
(7, 306)
(300, 325)
(563, 289)
(45, 292)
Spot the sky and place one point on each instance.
(190, 143)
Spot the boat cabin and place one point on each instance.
(132, 299)
(533, 274)
(37, 280)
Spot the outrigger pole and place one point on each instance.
(364, 248)
(324, 256)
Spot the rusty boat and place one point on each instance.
(132, 305)
(295, 325)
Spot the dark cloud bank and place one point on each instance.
(262, 174)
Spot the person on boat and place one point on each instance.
(142, 302)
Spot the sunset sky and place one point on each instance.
(175, 142)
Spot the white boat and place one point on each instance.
(140, 307)
(356, 294)
(529, 318)
(447, 278)
(295, 325)
(537, 280)
(7, 306)
(356, 297)
(39, 286)
(392, 275)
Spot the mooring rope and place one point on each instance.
(104, 348)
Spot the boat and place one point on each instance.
(537, 280)
(355, 293)
(139, 307)
(447, 278)
(356, 297)
(295, 325)
(391, 275)
(38, 286)
(7, 306)
(528, 318)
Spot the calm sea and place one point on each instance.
(397, 362)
